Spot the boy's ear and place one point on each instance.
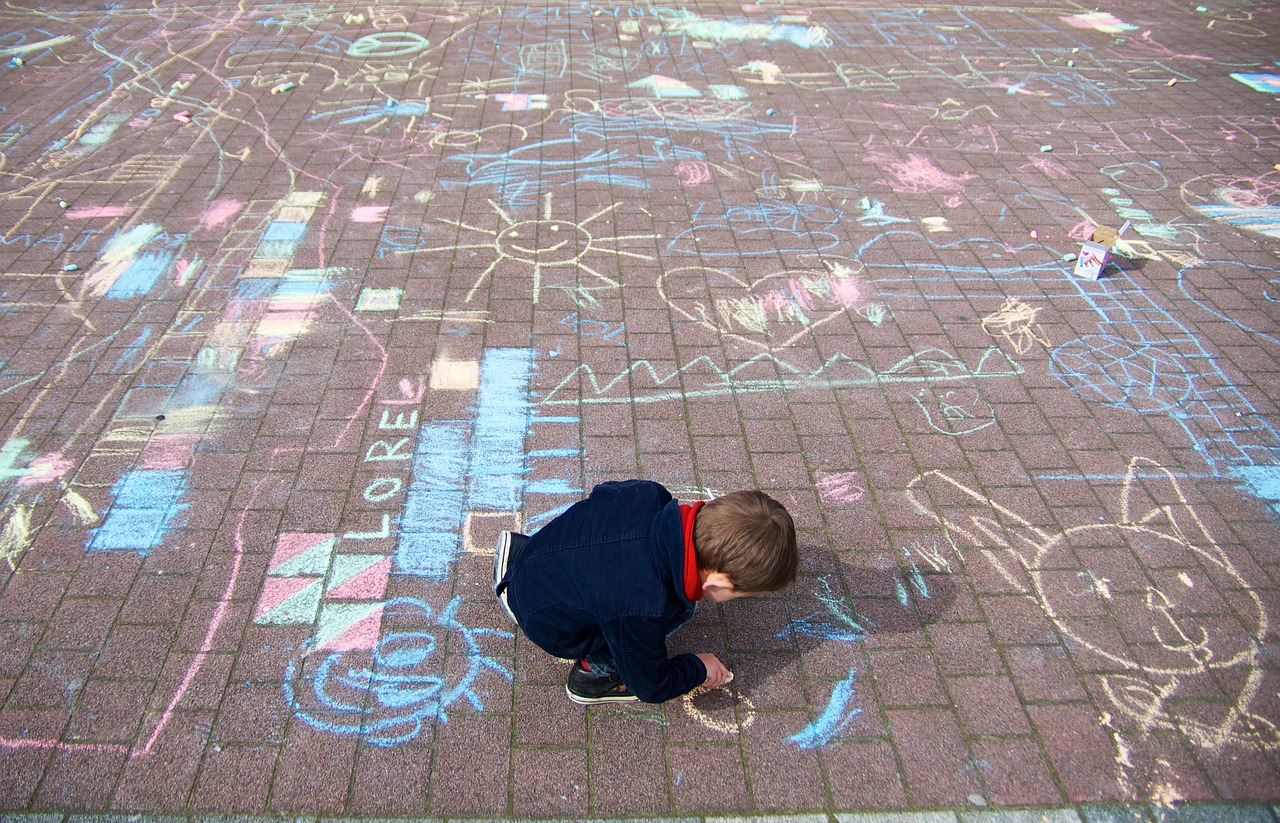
(717, 580)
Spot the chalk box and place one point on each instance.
(1095, 253)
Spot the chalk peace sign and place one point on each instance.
(388, 44)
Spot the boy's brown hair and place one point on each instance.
(750, 537)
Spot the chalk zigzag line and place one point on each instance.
(924, 366)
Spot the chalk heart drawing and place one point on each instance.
(1166, 556)
(772, 312)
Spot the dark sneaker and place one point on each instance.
(585, 687)
(508, 544)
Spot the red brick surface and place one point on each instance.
(279, 362)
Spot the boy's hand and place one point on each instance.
(717, 674)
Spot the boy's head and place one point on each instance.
(746, 540)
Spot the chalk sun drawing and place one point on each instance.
(543, 243)
(389, 696)
(1160, 531)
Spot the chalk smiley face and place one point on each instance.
(544, 242)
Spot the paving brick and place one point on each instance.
(939, 768)
(314, 772)
(864, 776)
(471, 771)
(988, 706)
(1078, 748)
(707, 778)
(641, 789)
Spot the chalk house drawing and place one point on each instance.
(1066, 573)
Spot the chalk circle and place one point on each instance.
(706, 720)
(388, 44)
(456, 139)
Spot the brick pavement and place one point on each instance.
(304, 303)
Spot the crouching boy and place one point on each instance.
(604, 583)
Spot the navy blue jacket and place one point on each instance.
(610, 570)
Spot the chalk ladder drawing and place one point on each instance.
(1161, 532)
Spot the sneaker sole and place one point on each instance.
(609, 698)
(502, 559)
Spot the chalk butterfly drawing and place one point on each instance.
(1166, 638)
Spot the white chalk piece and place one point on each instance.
(770, 112)
(1173, 81)
(728, 679)
(1069, 258)
(62, 204)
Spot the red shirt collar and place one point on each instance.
(692, 582)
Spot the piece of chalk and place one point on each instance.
(283, 87)
(71, 267)
(1046, 148)
(728, 679)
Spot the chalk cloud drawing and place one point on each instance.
(390, 695)
(694, 26)
(1160, 532)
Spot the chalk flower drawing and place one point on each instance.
(1159, 533)
(388, 699)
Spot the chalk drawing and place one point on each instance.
(841, 623)
(389, 696)
(145, 505)
(1015, 321)
(1268, 83)
(834, 718)
(777, 225)
(764, 311)
(642, 382)
(480, 465)
(744, 710)
(955, 411)
(838, 489)
(542, 244)
(1100, 21)
(1145, 360)
(1158, 528)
